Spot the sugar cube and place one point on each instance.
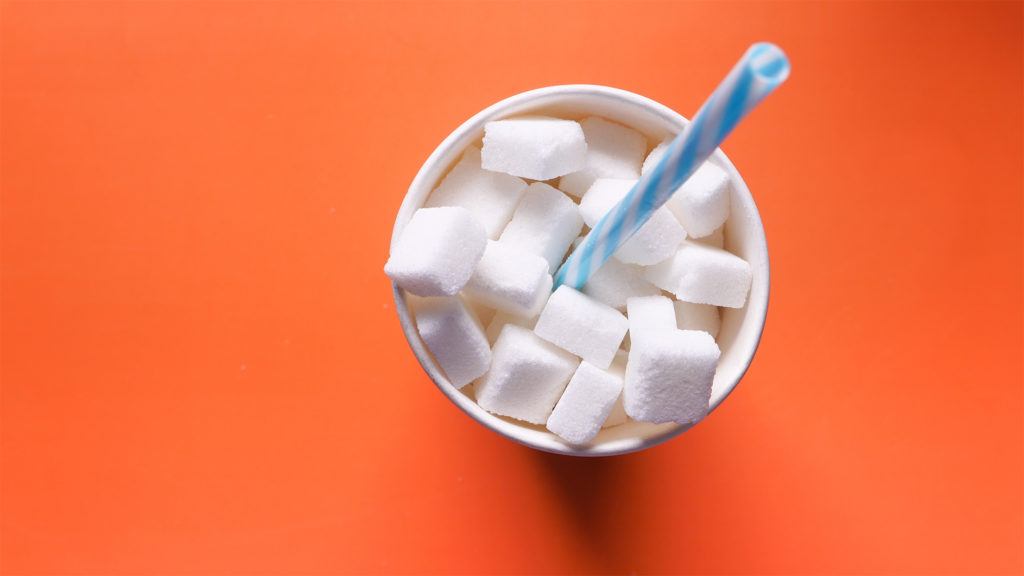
(545, 223)
(585, 404)
(437, 251)
(613, 151)
(655, 241)
(582, 325)
(704, 275)
(702, 203)
(454, 337)
(509, 279)
(669, 379)
(649, 316)
(615, 281)
(538, 148)
(602, 196)
(655, 156)
(526, 377)
(490, 196)
(690, 316)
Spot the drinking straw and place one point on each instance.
(761, 69)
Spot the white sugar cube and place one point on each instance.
(454, 337)
(615, 281)
(526, 377)
(538, 148)
(655, 241)
(490, 196)
(602, 196)
(545, 223)
(701, 204)
(498, 321)
(649, 316)
(655, 156)
(582, 325)
(704, 275)
(668, 379)
(511, 280)
(618, 413)
(437, 251)
(613, 151)
(585, 404)
(690, 316)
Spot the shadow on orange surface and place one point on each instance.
(595, 509)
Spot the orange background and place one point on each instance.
(203, 371)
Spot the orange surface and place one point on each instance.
(203, 371)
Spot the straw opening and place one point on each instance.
(769, 64)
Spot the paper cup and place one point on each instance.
(741, 327)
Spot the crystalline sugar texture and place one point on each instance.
(602, 196)
(545, 223)
(669, 379)
(690, 316)
(454, 337)
(615, 281)
(511, 280)
(538, 148)
(526, 378)
(655, 156)
(655, 241)
(704, 275)
(437, 251)
(613, 151)
(490, 196)
(649, 316)
(582, 325)
(701, 204)
(585, 404)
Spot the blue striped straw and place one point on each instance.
(759, 71)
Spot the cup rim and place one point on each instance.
(457, 141)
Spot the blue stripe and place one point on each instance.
(772, 69)
(679, 162)
(582, 273)
(735, 107)
(648, 204)
(613, 221)
(688, 156)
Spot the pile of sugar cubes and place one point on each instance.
(638, 342)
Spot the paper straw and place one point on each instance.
(759, 71)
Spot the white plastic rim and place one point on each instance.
(741, 328)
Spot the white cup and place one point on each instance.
(741, 327)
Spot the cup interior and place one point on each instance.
(740, 329)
